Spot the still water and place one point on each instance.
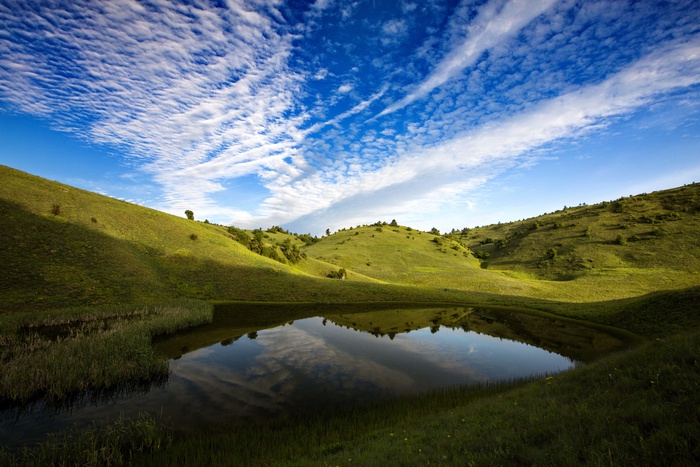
(321, 362)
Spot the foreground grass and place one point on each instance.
(55, 354)
(639, 408)
(113, 444)
(635, 408)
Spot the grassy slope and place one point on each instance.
(133, 254)
(99, 250)
(659, 235)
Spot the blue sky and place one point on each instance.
(335, 113)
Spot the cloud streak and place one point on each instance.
(194, 93)
(495, 23)
(303, 104)
(458, 165)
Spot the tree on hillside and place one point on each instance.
(189, 214)
(394, 223)
(328, 232)
(434, 231)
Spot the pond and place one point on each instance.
(227, 372)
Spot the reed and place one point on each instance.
(114, 444)
(56, 354)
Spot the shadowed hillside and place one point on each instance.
(63, 246)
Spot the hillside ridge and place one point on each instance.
(64, 246)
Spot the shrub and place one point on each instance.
(240, 235)
(56, 209)
(193, 236)
(339, 274)
(552, 253)
(621, 240)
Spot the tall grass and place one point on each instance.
(56, 354)
(114, 444)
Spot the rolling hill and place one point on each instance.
(112, 274)
(63, 246)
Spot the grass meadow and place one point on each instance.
(90, 283)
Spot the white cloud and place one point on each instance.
(193, 93)
(321, 74)
(496, 22)
(201, 95)
(393, 31)
(442, 174)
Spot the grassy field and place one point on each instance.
(89, 282)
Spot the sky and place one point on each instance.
(327, 114)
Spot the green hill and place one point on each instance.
(63, 246)
(89, 281)
(624, 248)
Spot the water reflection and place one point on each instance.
(321, 362)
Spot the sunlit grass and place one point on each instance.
(65, 248)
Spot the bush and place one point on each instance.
(56, 209)
(621, 240)
(193, 236)
(339, 274)
(552, 253)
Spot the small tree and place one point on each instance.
(189, 214)
(394, 223)
(434, 231)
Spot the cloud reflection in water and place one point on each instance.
(308, 364)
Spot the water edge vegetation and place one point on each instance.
(90, 281)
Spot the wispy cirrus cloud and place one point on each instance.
(195, 93)
(442, 174)
(254, 113)
(496, 21)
